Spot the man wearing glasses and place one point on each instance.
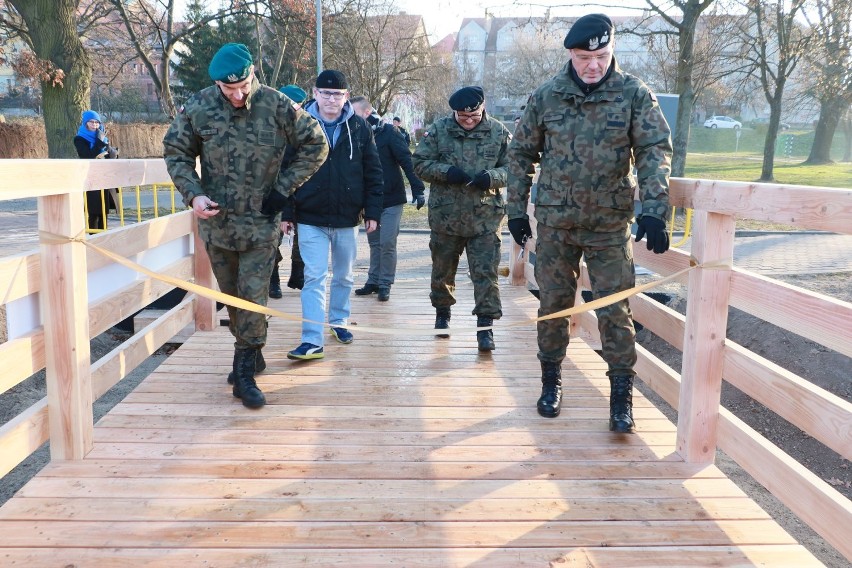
(239, 129)
(329, 207)
(588, 126)
(463, 155)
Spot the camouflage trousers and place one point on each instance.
(245, 274)
(483, 259)
(609, 259)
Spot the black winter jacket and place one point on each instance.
(394, 154)
(347, 185)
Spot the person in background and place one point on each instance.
(463, 156)
(297, 267)
(398, 124)
(92, 143)
(396, 159)
(588, 127)
(239, 129)
(328, 208)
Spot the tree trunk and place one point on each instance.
(684, 88)
(847, 132)
(830, 112)
(52, 26)
(767, 173)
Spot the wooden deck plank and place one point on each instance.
(271, 469)
(390, 509)
(471, 425)
(439, 534)
(777, 556)
(375, 438)
(355, 487)
(411, 451)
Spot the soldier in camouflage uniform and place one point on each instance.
(239, 129)
(588, 126)
(464, 158)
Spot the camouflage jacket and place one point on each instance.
(587, 147)
(459, 209)
(241, 151)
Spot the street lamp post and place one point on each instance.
(319, 37)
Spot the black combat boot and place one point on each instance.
(442, 320)
(275, 283)
(245, 386)
(297, 275)
(485, 338)
(550, 401)
(621, 404)
(259, 365)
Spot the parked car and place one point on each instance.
(722, 122)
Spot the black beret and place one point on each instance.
(397, 119)
(231, 64)
(467, 99)
(331, 79)
(590, 33)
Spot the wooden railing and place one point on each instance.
(709, 357)
(59, 298)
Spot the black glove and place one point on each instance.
(482, 180)
(658, 237)
(420, 200)
(457, 176)
(273, 203)
(520, 229)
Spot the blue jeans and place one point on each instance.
(382, 243)
(314, 244)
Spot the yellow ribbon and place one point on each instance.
(50, 238)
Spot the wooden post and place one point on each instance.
(704, 338)
(205, 309)
(65, 316)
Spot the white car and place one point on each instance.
(722, 122)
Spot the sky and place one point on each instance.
(443, 17)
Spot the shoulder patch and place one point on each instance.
(182, 109)
(652, 95)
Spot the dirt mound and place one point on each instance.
(26, 140)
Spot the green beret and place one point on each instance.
(294, 93)
(590, 33)
(231, 64)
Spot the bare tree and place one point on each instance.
(773, 43)
(385, 55)
(58, 61)
(685, 28)
(831, 58)
(536, 54)
(291, 31)
(153, 34)
(442, 79)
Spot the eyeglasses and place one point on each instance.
(468, 116)
(337, 95)
(93, 122)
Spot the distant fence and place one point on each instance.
(26, 140)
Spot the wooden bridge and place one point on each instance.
(400, 449)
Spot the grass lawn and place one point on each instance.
(746, 167)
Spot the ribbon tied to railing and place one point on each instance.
(51, 238)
